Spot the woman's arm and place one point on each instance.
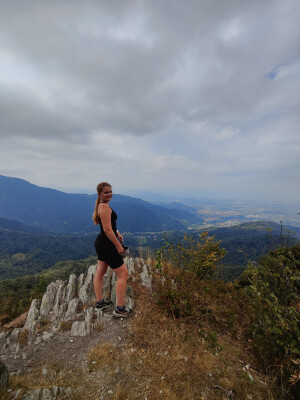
(105, 215)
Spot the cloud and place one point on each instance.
(175, 93)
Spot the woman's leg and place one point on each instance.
(98, 279)
(122, 274)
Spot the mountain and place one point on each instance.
(60, 212)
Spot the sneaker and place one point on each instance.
(102, 306)
(122, 313)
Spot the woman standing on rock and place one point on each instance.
(110, 250)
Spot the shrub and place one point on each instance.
(273, 289)
(182, 268)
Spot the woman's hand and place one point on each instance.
(120, 237)
(120, 251)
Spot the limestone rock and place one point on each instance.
(71, 288)
(48, 299)
(72, 309)
(59, 298)
(146, 278)
(33, 313)
(86, 292)
(78, 328)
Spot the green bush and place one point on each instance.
(273, 288)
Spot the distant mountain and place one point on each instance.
(60, 212)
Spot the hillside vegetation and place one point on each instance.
(208, 338)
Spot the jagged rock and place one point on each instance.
(78, 328)
(130, 266)
(33, 313)
(72, 309)
(89, 319)
(12, 340)
(86, 292)
(146, 278)
(3, 375)
(80, 282)
(48, 299)
(71, 288)
(60, 295)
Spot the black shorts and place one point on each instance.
(107, 252)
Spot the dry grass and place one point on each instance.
(65, 326)
(23, 337)
(169, 359)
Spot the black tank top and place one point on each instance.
(113, 224)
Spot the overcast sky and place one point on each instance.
(185, 98)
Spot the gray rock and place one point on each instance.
(3, 375)
(71, 288)
(146, 278)
(78, 328)
(89, 320)
(48, 299)
(59, 298)
(80, 282)
(33, 313)
(47, 335)
(72, 309)
(130, 266)
(86, 292)
(33, 394)
(13, 340)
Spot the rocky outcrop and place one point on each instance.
(65, 313)
(71, 302)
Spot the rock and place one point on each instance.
(3, 375)
(48, 299)
(86, 292)
(72, 309)
(47, 335)
(33, 313)
(71, 288)
(146, 278)
(59, 298)
(130, 266)
(33, 394)
(78, 328)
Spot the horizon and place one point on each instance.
(164, 197)
(193, 99)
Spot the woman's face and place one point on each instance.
(106, 194)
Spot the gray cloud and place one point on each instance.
(179, 93)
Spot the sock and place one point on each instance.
(100, 301)
(122, 308)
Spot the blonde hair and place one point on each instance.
(99, 190)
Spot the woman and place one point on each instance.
(109, 249)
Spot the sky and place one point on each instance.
(194, 98)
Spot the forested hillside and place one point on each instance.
(26, 250)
